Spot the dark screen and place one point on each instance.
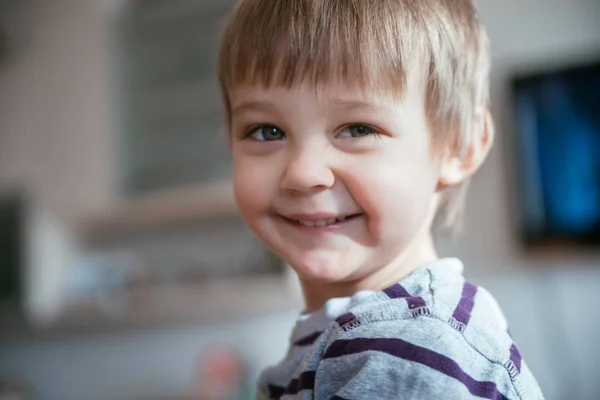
(558, 139)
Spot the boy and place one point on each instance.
(354, 127)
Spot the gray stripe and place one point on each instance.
(410, 352)
(308, 340)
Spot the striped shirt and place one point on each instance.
(431, 336)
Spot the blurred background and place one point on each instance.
(125, 272)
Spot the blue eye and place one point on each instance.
(266, 133)
(357, 130)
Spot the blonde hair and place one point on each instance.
(374, 44)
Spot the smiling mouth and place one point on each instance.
(322, 223)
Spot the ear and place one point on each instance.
(455, 169)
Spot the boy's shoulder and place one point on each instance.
(434, 327)
(434, 335)
(437, 296)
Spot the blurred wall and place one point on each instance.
(54, 135)
(525, 35)
(54, 103)
(157, 364)
(549, 301)
(55, 139)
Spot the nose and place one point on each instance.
(307, 171)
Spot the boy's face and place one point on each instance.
(338, 182)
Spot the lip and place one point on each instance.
(292, 221)
(319, 216)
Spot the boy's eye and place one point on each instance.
(266, 133)
(356, 131)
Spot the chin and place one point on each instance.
(322, 269)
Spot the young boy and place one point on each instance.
(354, 127)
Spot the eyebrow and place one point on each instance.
(355, 104)
(346, 104)
(252, 106)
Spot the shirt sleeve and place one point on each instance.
(422, 359)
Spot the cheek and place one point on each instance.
(254, 185)
(247, 190)
(396, 194)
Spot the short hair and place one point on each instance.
(373, 44)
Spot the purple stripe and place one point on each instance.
(410, 352)
(399, 292)
(306, 381)
(396, 291)
(308, 340)
(462, 313)
(515, 357)
(344, 319)
(415, 302)
(275, 392)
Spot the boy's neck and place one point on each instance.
(422, 252)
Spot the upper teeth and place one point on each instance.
(322, 222)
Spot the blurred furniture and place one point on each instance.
(167, 245)
(12, 218)
(169, 99)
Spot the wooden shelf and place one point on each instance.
(162, 209)
(159, 307)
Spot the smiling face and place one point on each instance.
(338, 182)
